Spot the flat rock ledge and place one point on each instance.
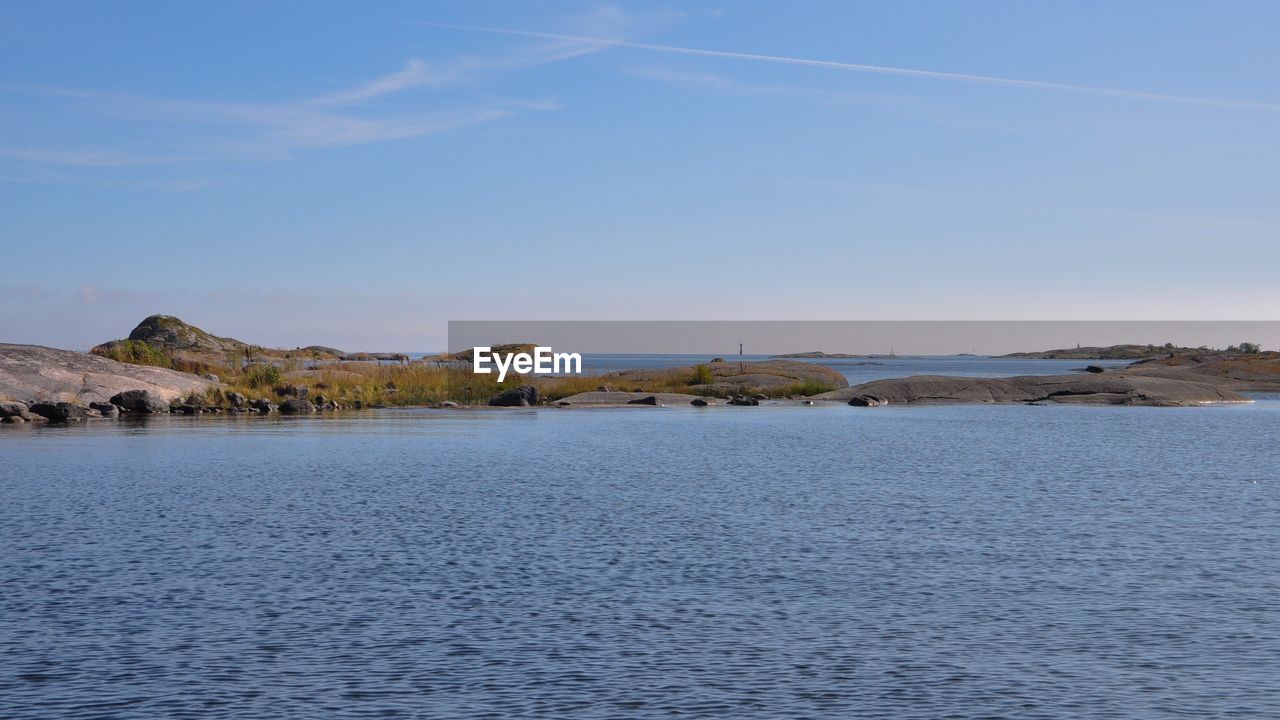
(601, 398)
(32, 372)
(1094, 389)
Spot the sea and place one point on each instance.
(968, 561)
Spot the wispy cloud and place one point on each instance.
(193, 130)
(416, 73)
(877, 69)
(85, 158)
(720, 83)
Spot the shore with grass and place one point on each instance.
(179, 368)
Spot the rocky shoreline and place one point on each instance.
(46, 385)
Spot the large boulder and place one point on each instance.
(264, 405)
(296, 405)
(60, 412)
(646, 400)
(522, 396)
(141, 402)
(236, 400)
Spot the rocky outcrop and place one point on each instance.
(1103, 389)
(522, 396)
(1238, 371)
(182, 342)
(31, 372)
(141, 402)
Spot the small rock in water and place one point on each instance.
(105, 409)
(699, 402)
(867, 401)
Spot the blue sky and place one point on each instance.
(356, 174)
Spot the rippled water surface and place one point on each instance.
(833, 562)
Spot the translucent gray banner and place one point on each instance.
(855, 337)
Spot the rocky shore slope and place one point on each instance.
(30, 372)
(1110, 388)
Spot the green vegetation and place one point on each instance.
(135, 352)
(364, 384)
(1246, 348)
(702, 375)
(260, 377)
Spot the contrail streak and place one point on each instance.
(876, 69)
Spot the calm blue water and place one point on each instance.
(776, 562)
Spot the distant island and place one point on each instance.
(818, 354)
(1110, 352)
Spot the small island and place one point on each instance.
(819, 355)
